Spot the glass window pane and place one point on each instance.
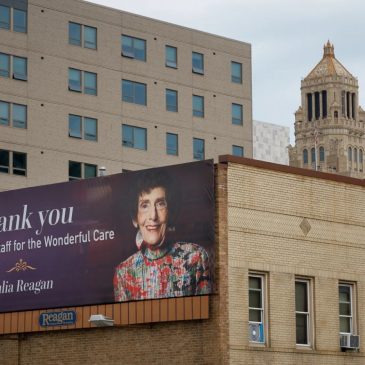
(345, 324)
(140, 138)
(254, 282)
(171, 56)
(237, 114)
(345, 309)
(301, 329)
(255, 315)
(237, 151)
(4, 161)
(89, 37)
(74, 79)
(74, 34)
(171, 144)
(4, 65)
(345, 293)
(74, 170)
(236, 72)
(89, 171)
(19, 163)
(74, 126)
(4, 17)
(127, 46)
(139, 49)
(20, 68)
(198, 149)
(198, 106)
(90, 83)
(305, 156)
(4, 113)
(127, 136)
(20, 21)
(198, 63)
(90, 129)
(171, 100)
(301, 297)
(255, 299)
(140, 93)
(19, 116)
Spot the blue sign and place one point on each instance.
(63, 318)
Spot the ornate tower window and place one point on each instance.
(313, 157)
(305, 156)
(324, 104)
(309, 107)
(321, 154)
(317, 110)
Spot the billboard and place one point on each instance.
(138, 235)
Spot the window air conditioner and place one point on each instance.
(256, 332)
(349, 341)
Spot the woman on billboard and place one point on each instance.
(162, 267)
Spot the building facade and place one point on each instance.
(270, 142)
(329, 124)
(290, 284)
(84, 86)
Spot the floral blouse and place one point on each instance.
(179, 269)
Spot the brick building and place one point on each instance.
(290, 280)
(85, 86)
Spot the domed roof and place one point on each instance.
(328, 65)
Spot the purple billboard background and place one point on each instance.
(82, 273)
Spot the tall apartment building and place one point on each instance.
(84, 86)
(329, 124)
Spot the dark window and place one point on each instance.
(198, 63)
(74, 80)
(90, 83)
(134, 92)
(345, 308)
(353, 103)
(237, 151)
(305, 156)
(349, 154)
(198, 149)
(172, 147)
(134, 137)
(74, 34)
(4, 161)
(309, 107)
(324, 103)
(82, 127)
(13, 162)
(90, 37)
(313, 156)
(4, 113)
(302, 312)
(80, 170)
(4, 65)
(171, 100)
(16, 113)
(4, 17)
(20, 68)
(360, 156)
(317, 111)
(82, 35)
(343, 102)
(82, 81)
(236, 72)
(237, 114)
(198, 106)
(348, 104)
(134, 48)
(355, 154)
(171, 56)
(19, 21)
(321, 154)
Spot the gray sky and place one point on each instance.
(287, 38)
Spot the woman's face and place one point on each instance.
(152, 215)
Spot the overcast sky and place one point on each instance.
(287, 38)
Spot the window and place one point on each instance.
(82, 81)
(237, 151)
(13, 114)
(171, 56)
(13, 163)
(172, 147)
(82, 35)
(134, 137)
(305, 156)
(349, 154)
(18, 16)
(198, 106)
(302, 311)
(313, 155)
(237, 114)
(198, 149)
(346, 310)
(133, 48)
(321, 154)
(82, 127)
(134, 92)
(256, 302)
(80, 170)
(198, 63)
(309, 107)
(236, 72)
(171, 100)
(316, 105)
(13, 65)
(324, 103)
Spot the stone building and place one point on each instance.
(84, 86)
(329, 124)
